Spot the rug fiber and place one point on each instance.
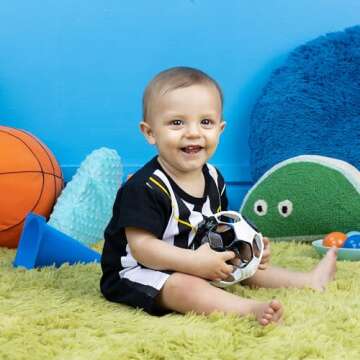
(60, 314)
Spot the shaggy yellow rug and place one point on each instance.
(60, 314)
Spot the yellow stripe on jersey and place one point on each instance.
(184, 222)
(167, 193)
(160, 186)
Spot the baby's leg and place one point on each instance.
(318, 278)
(184, 293)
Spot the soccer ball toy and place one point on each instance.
(30, 181)
(228, 230)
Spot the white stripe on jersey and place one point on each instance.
(206, 209)
(213, 173)
(172, 228)
(194, 219)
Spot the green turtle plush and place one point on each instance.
(305, 197)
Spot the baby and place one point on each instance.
(148, 261)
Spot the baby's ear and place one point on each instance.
(222, 125)
(147, 132)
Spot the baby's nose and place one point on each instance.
(193, 130)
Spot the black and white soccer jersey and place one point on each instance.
(152, 201)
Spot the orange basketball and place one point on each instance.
(30, 180)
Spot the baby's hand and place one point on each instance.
(265, 260)
(211, 265)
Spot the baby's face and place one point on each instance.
(185, 124)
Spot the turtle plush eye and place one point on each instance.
(260, 207)
(285, 208)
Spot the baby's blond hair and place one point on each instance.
(175, 78)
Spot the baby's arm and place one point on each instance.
(159, 255)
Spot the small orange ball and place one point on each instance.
(335, 238)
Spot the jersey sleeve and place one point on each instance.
(141, 206)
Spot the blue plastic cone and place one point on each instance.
(42, 245)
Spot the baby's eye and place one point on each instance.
(176, 122)
(207, 123)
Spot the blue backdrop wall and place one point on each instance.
(73, 72)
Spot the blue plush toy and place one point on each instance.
(84, 207)
(310, 104)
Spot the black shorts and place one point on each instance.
(138, 295)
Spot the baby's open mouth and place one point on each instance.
(191, 149)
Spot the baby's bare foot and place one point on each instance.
(324, 272)
(267, 313)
